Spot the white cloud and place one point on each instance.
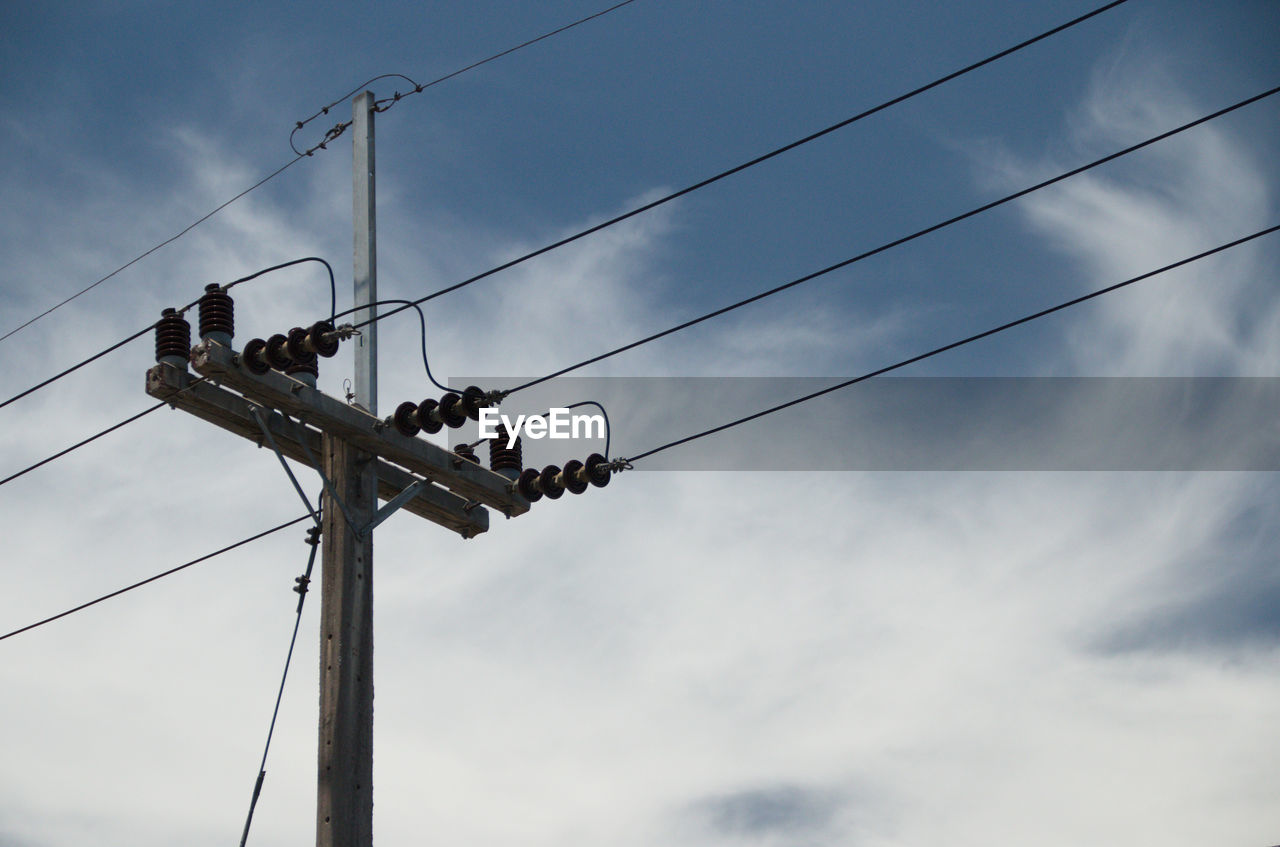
(1178, 198)
(884, 658)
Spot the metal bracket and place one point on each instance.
(262, 424)
(393, 505)
(342, 507)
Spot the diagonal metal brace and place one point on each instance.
(266, 431)
(393, 505)
(315, 463)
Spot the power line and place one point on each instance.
(422, 322)
(758, 160)
(333, 288)
(340, 128)
(897, 242)
(385, 103)
(329, 136)
(80, 444)
(117, 593)
(144, 255)
(77, 367)
(95, 437)
(953, 345)
(333, 299)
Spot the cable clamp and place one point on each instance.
(313, 536)
(619, 465)
(346, 332)
(302, 583)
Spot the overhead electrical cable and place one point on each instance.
(80, 444)
(419, 87)
(953, 345)
(895, 243)
(80, 365)
(333, 294)
(147, 253)
(158, 576)
(329, 136)
(757, 160)
(95, 437)
(333, 288)
(422, 322)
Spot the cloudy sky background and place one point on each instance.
(687, 658)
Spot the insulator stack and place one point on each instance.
(430, 416)
(295, 353)
(173, 339)
(319, 339)
(465, 451)
(217, 315)
(553, 481)
(503, 459)
(410, 418)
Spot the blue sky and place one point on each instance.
(853, 658)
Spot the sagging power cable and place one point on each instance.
(332, 134)
(757, 160)
(158, 576)
(333, 294)
(896, 242)
(953, 345)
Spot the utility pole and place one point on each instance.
(344, 804)
(267, 393)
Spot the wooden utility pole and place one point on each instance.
(344, 805)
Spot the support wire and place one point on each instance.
(313, 539)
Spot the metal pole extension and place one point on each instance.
(344, 807)
(364, 214)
